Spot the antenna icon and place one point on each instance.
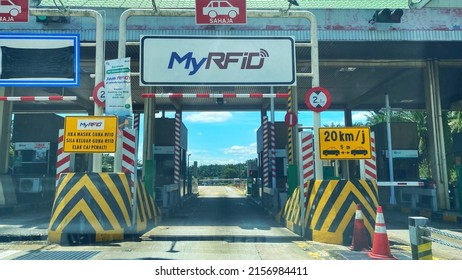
(264, 53)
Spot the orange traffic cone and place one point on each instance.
(360, 241)
(380, 245)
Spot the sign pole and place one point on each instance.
(317, 99)
(302, 185)
(390, 151)
(318, 171)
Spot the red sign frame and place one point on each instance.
(221, 12)
(315, 91)
(291, 119)
(99, 98)
(17, 11)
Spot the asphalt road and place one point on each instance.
(220, 223)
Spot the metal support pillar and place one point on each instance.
(99, 55)
(348, 165)
(437, 150)
(390, 152)
(149, 167)
(5, 128)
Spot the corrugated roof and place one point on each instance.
(251, 4)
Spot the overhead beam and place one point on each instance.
(176, 104)
(368, 95)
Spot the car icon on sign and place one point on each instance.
(331, 151)
(220, 8)
(359, 151)
(8, 7)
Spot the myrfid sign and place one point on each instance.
(217, 61)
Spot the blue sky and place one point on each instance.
(230, 137)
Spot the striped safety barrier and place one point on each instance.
(290, 155)
(370, 165)
(307, 156)
(37, 98)
(265, 153)
(307, 161)
(136, 121)
(63, 160)
(176, 170)
(129, 161)
(329, 216)
(214, 95)
(273, 153)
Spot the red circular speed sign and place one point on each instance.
(99, 94)
(291, 119)
(317, 99)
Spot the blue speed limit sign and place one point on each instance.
(317, 99)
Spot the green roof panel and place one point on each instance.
(251, 4)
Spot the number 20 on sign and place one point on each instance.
(345, 143)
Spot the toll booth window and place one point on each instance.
(32, 155)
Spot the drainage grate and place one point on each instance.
(58, 255)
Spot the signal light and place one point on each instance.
(51, 19)
(388, 16)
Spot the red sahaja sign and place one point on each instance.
(221, 12)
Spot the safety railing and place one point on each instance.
(421, 238)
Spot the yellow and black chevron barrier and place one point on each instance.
(290, 214)
(148, 213)
(91, 204)
(99, 205)
(330, 211)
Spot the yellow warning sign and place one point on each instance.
(345, 143)
(90, 134)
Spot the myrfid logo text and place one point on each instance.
(246, 60)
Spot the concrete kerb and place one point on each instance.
(440, 216)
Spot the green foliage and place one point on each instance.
(11, 154)
(225, 171)
(108, 162)
(452, 123)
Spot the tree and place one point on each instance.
(455, 121)
(108, 162)
(227, 171)
(230, 171)
(452, 123)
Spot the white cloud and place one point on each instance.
(360, 117)
(208, 117)
(219, 162)
(250, 150)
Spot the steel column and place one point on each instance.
(436, 145)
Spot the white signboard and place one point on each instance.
(217, 61)
(403, 153)
(164, 150)
(118, 87)
(36, 146)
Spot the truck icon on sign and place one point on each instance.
(220, 8)
(8, 7)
